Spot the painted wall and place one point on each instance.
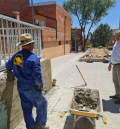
(53, 49)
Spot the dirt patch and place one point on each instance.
(96, 55)
(85, 99)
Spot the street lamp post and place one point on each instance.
(32, 12)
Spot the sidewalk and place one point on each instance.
(96, 75)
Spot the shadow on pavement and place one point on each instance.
(69, 122)
(83, 123)
(108, 105)
(78, 52)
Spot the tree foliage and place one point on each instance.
(88, 12)
(101, 35)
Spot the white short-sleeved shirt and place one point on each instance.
(115, 57)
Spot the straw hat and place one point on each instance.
(25, 39)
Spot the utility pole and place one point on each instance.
(32, 12)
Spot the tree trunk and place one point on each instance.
(81, 39)
(83, 46)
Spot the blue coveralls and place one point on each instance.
(26, 67)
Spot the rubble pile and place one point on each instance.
(96, 55)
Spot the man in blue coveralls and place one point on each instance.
(27, 69)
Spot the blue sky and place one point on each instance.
(112, 19)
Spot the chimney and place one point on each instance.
(16, 14)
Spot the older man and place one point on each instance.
(26, 67)
(115, 61)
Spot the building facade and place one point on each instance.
(78, 35)
(112, 39)
(54, 20)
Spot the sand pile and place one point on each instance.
(85, 99)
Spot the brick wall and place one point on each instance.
(112, 39)
(77, 32)
(49, 22)
(7, 6)
(46, 10)
(63, 24)
(48, 36)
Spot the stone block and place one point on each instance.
(46, 72)
(9, 92)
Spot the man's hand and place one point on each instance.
(41, 88)
(109, 67)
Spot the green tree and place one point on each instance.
(93, 40)
(88, 12)
(101, 35)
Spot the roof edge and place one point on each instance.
(62, 8)
(43, 3)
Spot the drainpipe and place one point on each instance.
(64, 34)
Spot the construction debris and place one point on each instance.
(85, 99)
(96, 55)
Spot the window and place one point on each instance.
(40, 22)
(59, 42)
(36, 21)
(112, 41)
(66, 42)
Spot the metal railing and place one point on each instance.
(10, 31)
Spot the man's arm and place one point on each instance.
(9, 64)
(37, 74)
(109, 67)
